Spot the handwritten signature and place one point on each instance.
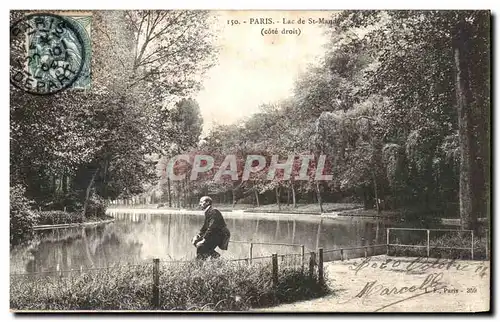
(420, 264)
(431, 284)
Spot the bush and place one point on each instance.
(96, 207)
(69, 201)
(212, 285)
(459, 240)
(57, 217)
(22, 218)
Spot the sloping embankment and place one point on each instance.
(81, 224)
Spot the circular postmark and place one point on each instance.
(47, 53)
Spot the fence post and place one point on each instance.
(251, 251)
(472, 245)
(320, 266)
(302, 254)
(275, 269)
(366, 253)
(428, 243)
(312, 261)
(342, 254)
(388, 231)
(156, 282)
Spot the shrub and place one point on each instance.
(57, 217)
(22, 218)
(96, 207)
(70, 201)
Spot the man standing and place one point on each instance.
(213, 233)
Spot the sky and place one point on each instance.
(255, 69)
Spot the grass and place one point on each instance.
(439, 246)
(305, 208)
(213, 285)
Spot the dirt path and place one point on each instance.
(401, 286)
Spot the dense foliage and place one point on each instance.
(22, 218)
(400, 105)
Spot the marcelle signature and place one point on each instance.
(421, 264)
(432, 283)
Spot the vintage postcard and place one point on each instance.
(250, 161)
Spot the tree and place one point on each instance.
(100, 141)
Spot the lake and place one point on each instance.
(136, 237)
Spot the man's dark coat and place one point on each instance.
(214, 230)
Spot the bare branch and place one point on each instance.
(149, 22)
(113, 42)
(156, 21)
(137, 41)
(146, 41)
(168, 53)
(146, 75)
(144, 61)
(169, 24)
(131, 18)
(362, 117)
(140, 25)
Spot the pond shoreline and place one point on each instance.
(72, 225)
(240, 213)
(340, 214)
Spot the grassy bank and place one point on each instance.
(305, 208)
(271, 208)
(58, 217)
(213, 285)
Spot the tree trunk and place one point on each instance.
(104, 179)
(169, 193)
(468, 213)
(318, 233)
(366, 203)
(87, 194)
(185, 192)
(318, 195)
(288, 197)
(375, 190)
(178, 194)
(294, 200)
(278, 197)
(257, 197)
(64, 182)
(234, 197)
(53, 184)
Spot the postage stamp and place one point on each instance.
(49, 53)
(250, 161)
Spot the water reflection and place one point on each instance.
(134, 238)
